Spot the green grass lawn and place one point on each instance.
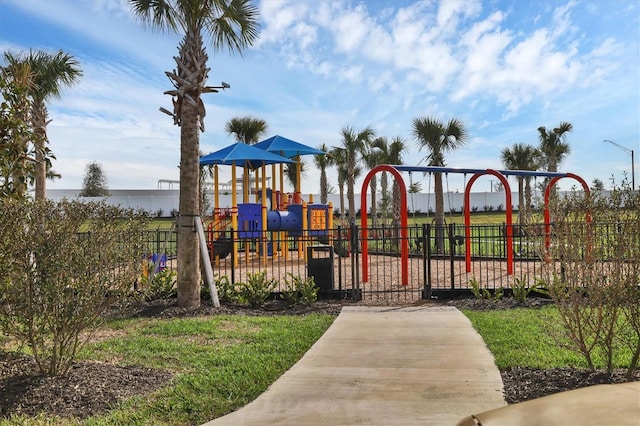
(531, 338)
(220, 363)
(223, 362)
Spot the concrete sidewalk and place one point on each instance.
(383, 366)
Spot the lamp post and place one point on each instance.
(628, 151)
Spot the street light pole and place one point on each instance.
(628, 151)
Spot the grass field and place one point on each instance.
(223, 362)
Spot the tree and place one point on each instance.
(229, 23)
(353, 144)
(380, 156)
(553, 145)
(432, 134)
(94, 183)
(414, 188)
(49, 73)
(521, 157)
(322, 161)
(396, 149)
(246, 129)
(340, 162)
(58, 282)
(597, 185)
(290, 172)
(15, 132)
(372, 157)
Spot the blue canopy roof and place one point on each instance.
(242, 155)
(286, 147)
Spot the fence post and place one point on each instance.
(338, 241)
(355, 250)
(452, 252)
(426, 261)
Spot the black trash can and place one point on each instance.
(320, 266)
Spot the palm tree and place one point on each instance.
(229, 23)
(396, 149)
(291, 173)
(322, 161)
(381, 144)
(246, 129)
(553, 145)
(521, 157)
(50, 73)
(339, 159)
(353, 144)
(373, 156)
(432, 134)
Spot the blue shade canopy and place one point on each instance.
(242, 155)
(286, 147)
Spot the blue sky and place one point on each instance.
(502, 67)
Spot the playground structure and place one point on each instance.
(502, 175)
(274, 210)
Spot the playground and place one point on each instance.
(269, 230)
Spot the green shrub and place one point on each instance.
(300, 291)
(593, 280)
(256, 290)
(62, 264)
(520, 289)
(162, 286)
(226, 291)
(483, 292)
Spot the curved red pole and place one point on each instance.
(404, 241)
(467, 218)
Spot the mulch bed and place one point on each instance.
(91, 387)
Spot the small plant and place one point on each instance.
(226, 291)
(475, 288)
(521, 290)
(256, 290)
(483, 292)
(299, 291)
(163, 285)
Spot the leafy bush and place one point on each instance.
(521, 289)
(593, 271)
(256, 290)
(61, 265)
(163, 285)
(226, 291)
(300, 291)
(483, 292)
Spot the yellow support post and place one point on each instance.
(264, 216)
(234, 214)
(302, 252)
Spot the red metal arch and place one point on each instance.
(467, 218)
(404, 242)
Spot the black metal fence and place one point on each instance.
(437, 264)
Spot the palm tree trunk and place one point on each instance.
(374, 210)
(527, 195)
(384, 184)
(188, 246)
(351, 196)
(39, 120)
(192, 68)
(439, 214)
(341, 186)
(323, 186)
(521, 202)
